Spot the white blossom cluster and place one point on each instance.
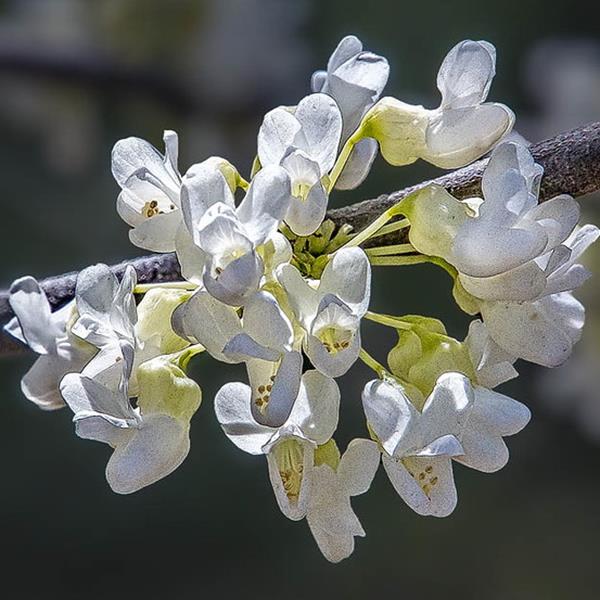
(270, 283)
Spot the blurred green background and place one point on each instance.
(75, 76)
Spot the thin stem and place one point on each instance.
(388, 321)
(142, 288)
(372, 363)
(397, 261)
(391, 227)
(393, 249)
(342, 159)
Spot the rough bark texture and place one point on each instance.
(571, 164)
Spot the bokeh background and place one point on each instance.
(77, 75)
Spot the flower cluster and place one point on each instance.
(270, 283)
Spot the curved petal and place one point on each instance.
(359, 164)
(34, 315)
(466, 74)
(459, 136)
(316, 410)
(348, 276)
(212, 323)
(333, 364)
(390, 415)
(425, 484)
(304, 217)
(276, 135)
(266, 203)
(192, 259)
(261, 309)
(232, 407)
(358, 466)
(157, 233)
(153, 452)
(41, 383)
(542, 332)
(321, 122)
(303, 298)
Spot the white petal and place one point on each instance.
(267, 323)
(333, 364)
(238, 281)
(390, 414)
(358, 166)
(459, 136)
(192, 259)
(294, 509)
(203, 186)
(276, 135)
(303, 298)
(441, 498)
(232, 407)
(358, 466)
(282, 383)
(348, 276)
(211, 323)
(34, 315)
(304, 217)
(316, 410)
(41, 383)
(465, 77)
(542, 332)
(559, 216)
(157, 233)
(266, 203)
(521, 283)
(242, 347)
(154, 452)
(321, 122)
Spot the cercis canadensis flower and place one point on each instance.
(269, 283)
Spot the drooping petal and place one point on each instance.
(459, 136)
(358, 466)
(34, 316)
(261, 309)
(266, 203)
(348, 276)
(304, 217)
(238, 281)
(542, 332)
(41, 383)
(210, 322)
(316, 410)
(275, 388)
(296, 460)
(425, 484)
(232, 407)
(333, 364)
(390, 415)
(358, 166)
(303, 298)
(192, 259)
(156, 449)
(494, 416)
(157, 233)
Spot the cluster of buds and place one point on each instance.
(270, 283)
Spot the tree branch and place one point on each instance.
(571, 164)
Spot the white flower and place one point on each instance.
(515, 257)
(48, 334)
(289, 448)
(263, 339)
(150, 184)
(354, 79)
(219, 244)
(329, 513)
(456, 422)
(330, 311)
(460, 130)
(304, 141)
(149, 441)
